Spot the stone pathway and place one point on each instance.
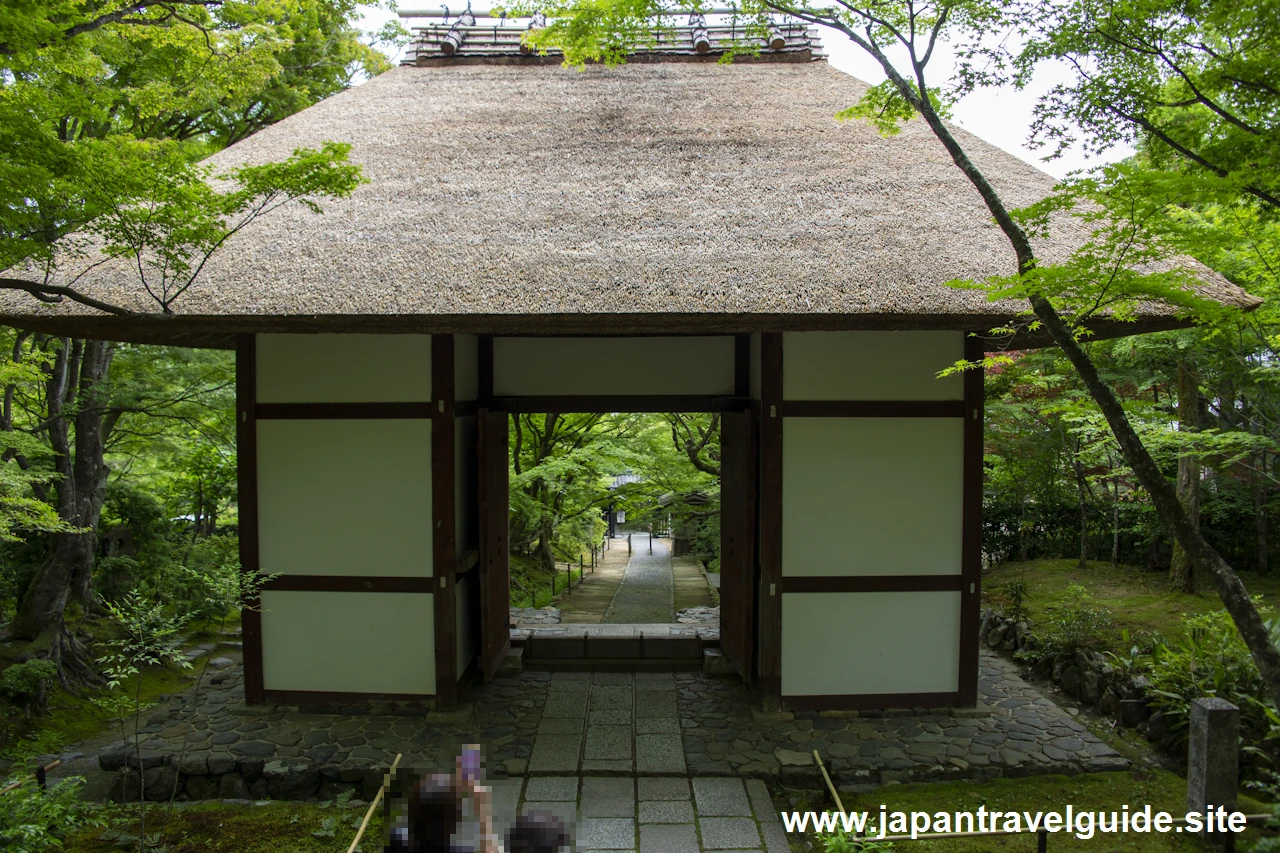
(659, 814)
(587, 602)
(618, 722)
(647, 593)
(605, 724)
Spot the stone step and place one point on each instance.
(542, 650)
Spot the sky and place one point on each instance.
(1001, 116)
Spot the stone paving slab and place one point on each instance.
(538, 723)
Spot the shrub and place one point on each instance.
(33, 821)
(1210, 659)
(1072, 624)
(25, 682)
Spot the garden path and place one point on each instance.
(647, 592)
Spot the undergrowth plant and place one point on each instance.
(1209, 659)
(26, 683)
(34, 820)
(1072, 624)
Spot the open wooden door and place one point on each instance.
(495, 573)
(737, 539)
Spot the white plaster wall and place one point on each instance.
(345, 497)
(871, 365)
(467, 619)
(466, 367)
(356, 642)
(870, 642)
(872, 496)
(344, 368)
(544, 366)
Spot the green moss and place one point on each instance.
(1094, 791)
(74, 718)
(278, 827)
(1138, 600)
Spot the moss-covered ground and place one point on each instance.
(1138, 600)
(277, 827)
(80, 714)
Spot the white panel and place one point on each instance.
(345, 497)
(344, 368)
(871, 365)
(870, 642)
(466, 367)
(348, 642)
(547, 366)
(467, 613)
(872, 496)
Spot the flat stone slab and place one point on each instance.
(729, 833)
(721, 797)
(681, 838)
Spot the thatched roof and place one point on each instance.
(654, 197)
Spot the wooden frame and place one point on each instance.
(602, 403)
(868, 701)
(327, 697)
(873, 583)
(347, 583)
(248, 412)
(873, 408)
(443, 529)
(769, 594)
(967, 583)
(344, 411)
(247, 503)
(971, 524)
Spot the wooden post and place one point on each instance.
(769, 662)
(698, 33)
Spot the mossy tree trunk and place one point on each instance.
(1182, 577)
(79, 423)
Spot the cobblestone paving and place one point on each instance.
(1014, 732)
(645, 723)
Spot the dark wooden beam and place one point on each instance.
(342, 411)
(971, 537)
(247, 503)
(873, 583)
(742, 366)
(348, 583)
(874, 408)
(443, 524)
(871, 701)
(600, 403)
(326, 697)
(484, 354)
(770, 502)
(467, 562)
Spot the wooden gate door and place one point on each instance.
(737, 539)
(495, 574)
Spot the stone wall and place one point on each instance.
(206, 776)
(1088, 678)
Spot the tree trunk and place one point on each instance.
(1204, 559)
(1115, 525)
(77, 392)
(1258, 487)
(1082, 490)
(1182, 576)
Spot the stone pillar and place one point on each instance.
(1213, 759)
